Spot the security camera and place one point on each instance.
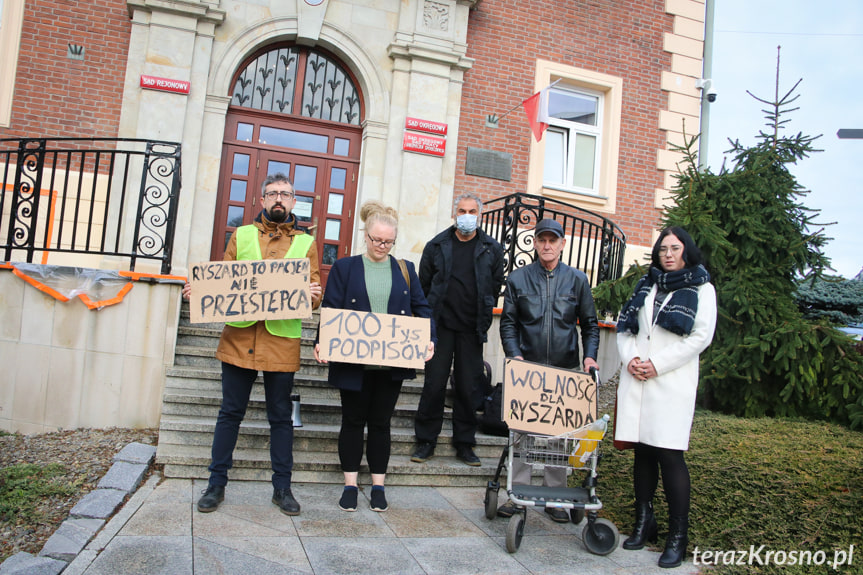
(707, 89)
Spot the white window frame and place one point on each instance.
(11, 18)
(603, 194)
(570, 130)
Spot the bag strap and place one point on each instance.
(403, 266)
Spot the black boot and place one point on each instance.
(645, 526)
(675, 544)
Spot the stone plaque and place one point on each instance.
(488, 164)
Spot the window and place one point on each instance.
(299, 81)
(574, 140)
(576, 160)
(11, 16)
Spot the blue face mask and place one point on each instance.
(466, 223)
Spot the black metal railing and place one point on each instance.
(595, 244)
(97, 196)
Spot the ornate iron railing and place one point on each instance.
(594, 244)
(95, 196)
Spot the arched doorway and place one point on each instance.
(297, 111)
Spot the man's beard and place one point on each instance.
(277, 214)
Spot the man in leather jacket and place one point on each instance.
(461, 272)
(541, 305)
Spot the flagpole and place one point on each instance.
(493, 119)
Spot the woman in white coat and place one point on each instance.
(662, 330)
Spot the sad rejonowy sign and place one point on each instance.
(250, 290)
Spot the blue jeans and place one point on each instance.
(236, 388)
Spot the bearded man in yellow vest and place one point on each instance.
(272, 347)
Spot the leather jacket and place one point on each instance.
(540, 309)
(436, 268)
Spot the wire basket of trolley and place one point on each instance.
(551, 414)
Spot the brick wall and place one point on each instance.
(622, 38)
(58, 97)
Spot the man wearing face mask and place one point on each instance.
(461, 273)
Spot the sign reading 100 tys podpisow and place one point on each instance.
(250, 290)
(350, 336)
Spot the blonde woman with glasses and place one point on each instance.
(372, 281)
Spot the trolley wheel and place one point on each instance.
(490, 502)
(576, 515)
(600, 537)
(514, 532)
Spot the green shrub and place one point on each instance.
(788, 484)
(24, 484)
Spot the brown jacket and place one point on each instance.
(254, 347)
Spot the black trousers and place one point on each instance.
(649, 461)
(372, 406)
(236, 388)
(463, 352)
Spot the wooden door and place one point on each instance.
(320, 159)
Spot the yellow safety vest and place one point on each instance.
(249, 248)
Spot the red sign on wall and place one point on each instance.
(424, 144)
(165, 84)
(425, 126)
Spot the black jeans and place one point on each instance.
(236, 388)
(372, 406)
(466, 350)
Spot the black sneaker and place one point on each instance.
(348, 501)
(284, 499)
(423, 452)
(558, 515)
(212, 496)
(379, 501)
(466, 454)
(508, 509)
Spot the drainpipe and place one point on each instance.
(707, 74)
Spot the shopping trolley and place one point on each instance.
(575, 450)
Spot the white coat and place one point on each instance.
(659, 411)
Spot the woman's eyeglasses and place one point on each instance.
(381, 243)
(274, 195)
(674, 249)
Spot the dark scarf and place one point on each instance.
(678, 315)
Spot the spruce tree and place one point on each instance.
(759, 239)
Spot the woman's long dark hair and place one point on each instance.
(691, 254)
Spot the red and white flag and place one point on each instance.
(536, 108)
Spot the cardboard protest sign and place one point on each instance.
(370, 338)
(250, 290)
(546, 400)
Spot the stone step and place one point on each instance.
(191, 461)
(317, 410)
(191, 402)
(197, 430)
(205, 357)
(305, 381)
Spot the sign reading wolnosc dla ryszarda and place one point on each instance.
(546, 400)
(250, 290)
(351, 336)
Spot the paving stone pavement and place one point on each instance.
(427, 530)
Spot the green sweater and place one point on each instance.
(379, 283)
